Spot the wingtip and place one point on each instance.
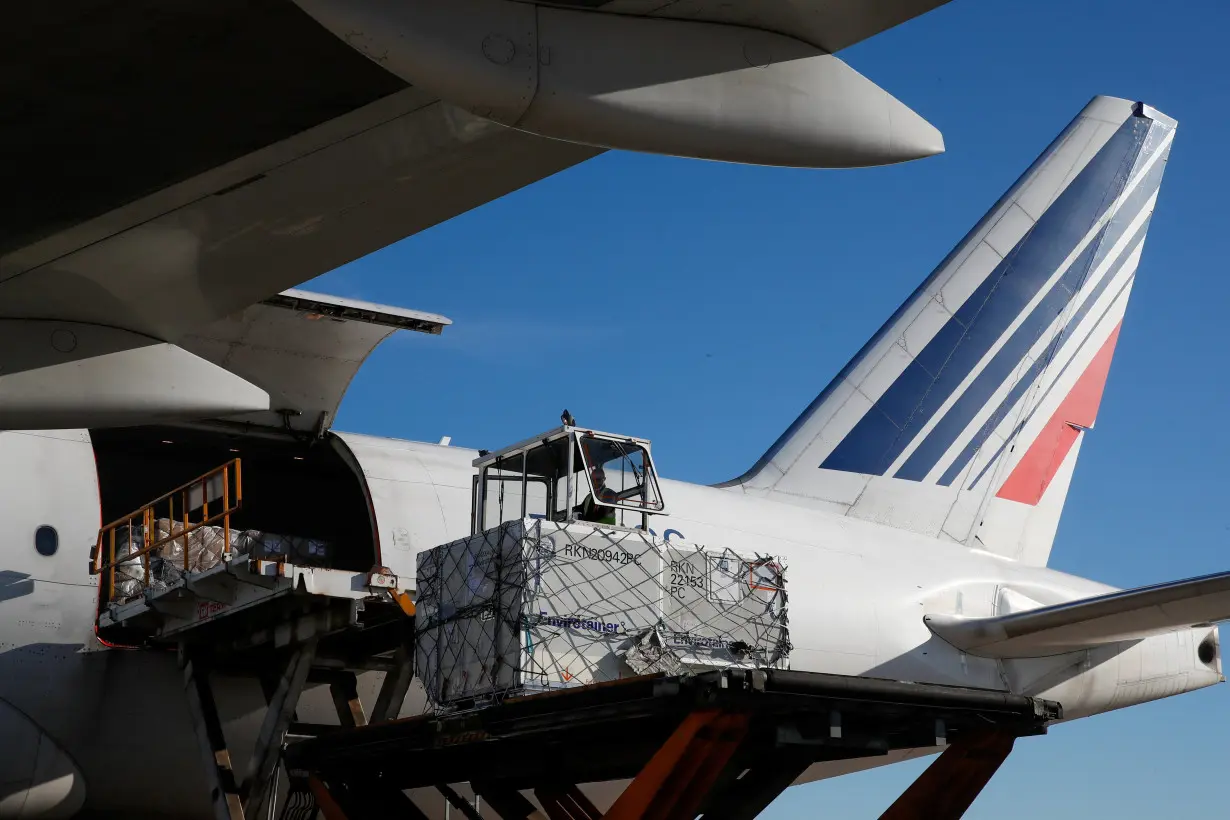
(912, 137)
(1117, 109)
(928, 141)
(1147, 111)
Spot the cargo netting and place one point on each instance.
(536, 605)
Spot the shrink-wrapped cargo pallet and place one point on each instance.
(535, 605)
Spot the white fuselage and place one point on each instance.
(84, 715)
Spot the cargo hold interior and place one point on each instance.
(291, 487)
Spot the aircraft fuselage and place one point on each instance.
(82, 714)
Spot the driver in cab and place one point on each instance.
(596, 511)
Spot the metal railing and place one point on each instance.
(186, 509)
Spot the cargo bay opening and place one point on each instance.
(235, 540)
(304, 498)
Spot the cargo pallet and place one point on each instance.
(721, 744)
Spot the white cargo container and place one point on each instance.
(533, 605)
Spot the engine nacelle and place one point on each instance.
(37, 778)
(655, 85)
(59, 374)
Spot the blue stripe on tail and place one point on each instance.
(896, 418)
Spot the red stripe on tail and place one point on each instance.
(1034, 472)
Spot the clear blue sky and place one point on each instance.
(743, 291)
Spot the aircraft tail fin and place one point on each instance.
(962, 418)
(1129, 615)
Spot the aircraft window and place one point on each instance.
(46, 540)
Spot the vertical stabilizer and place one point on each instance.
(963, 417)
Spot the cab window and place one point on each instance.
(618, 476)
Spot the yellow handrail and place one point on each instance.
(193, 497)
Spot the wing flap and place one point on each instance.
(1129, 615)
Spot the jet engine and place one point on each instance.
(664, 86)
(37, 777)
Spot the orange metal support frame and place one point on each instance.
(949, 785)
(566, 803)
(679, 776)
(224, 483)
(324, 801)
(671, 786)
(676, 781)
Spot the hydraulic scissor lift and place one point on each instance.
(722, 744)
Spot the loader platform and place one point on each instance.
(723, 744)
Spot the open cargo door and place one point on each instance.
(303, 349)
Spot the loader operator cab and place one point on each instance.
(568, 474)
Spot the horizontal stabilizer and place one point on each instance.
(1130, 615)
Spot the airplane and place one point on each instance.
(915, 500)
(195, 160)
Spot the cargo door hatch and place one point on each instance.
(303, 349)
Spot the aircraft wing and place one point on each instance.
(166, 189)
(1119, 616)
(177, 163)
(182, 161)
(200, 250)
